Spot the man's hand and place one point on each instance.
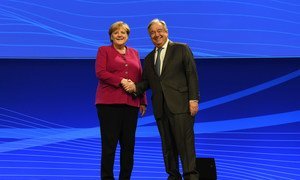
(128, 85)
(194, 107)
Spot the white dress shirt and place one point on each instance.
(162, 54)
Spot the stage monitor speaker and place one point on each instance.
(207, 168)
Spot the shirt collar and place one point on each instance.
(164, 46)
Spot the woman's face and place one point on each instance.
(119, 37)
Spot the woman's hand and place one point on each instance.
(142, 109)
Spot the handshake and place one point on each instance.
(128, 85)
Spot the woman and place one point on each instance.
(117, 110)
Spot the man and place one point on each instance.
(170, 71)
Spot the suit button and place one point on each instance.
(126, 65)
(126, 72)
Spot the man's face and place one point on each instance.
(158, 34)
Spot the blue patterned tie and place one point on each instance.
(158, 61)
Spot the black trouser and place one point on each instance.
(117, 123)
(177, 136)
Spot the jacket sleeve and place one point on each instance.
(191, 74)
(143, 97)
(143, 85)
(101, 69)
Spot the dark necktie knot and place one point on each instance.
(159, 49)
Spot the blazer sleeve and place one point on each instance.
(191, 74)
(143, 97)
(101, 71)
(143, 85)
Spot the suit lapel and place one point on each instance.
(151, 56)
(167, 56)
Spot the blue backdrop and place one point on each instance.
(249, 120)
(213, 28)
(247, 54)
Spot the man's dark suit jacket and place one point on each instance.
(177, 84)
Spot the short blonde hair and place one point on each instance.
(117, 25)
